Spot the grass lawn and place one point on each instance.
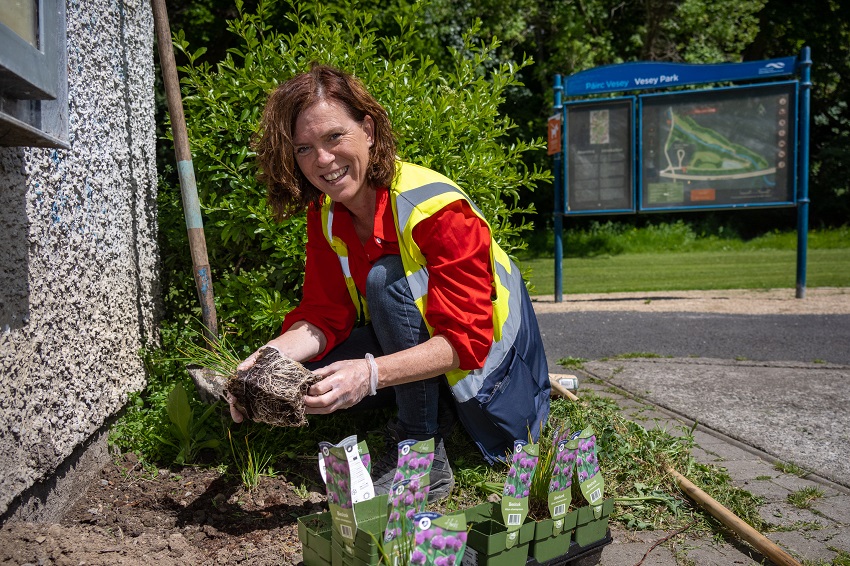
(739, 269)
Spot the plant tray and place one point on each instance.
(592, 523)
(548, 544)
(314, 532)
(321, 544)
(577, 555)
(487, 543)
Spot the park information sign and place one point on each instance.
(684, 149)
(676, 148)
(718, 148)
(600, 138)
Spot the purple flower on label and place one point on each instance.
(419, 497)
(438, 542)
(410, 513)
(408, 499)
(418, 557)
(441, 561)
(525, 493)
(461, 536)
(394, 516)
(398, 477)
(420, 538)
(556, 470)
(555, 485)
(512, 473)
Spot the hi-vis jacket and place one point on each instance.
(508, 398)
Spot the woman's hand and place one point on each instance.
(235, 413)
(345, 384)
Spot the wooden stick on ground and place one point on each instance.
(760, 542)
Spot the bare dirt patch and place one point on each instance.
(190, 515)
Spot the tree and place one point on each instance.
(823, 25)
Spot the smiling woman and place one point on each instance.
(332, 151)
(407, 298)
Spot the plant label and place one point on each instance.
(439, 539)
(518, 486)
(587, 466)
(560, 485)
(347, 482)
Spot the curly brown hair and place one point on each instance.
(289, 191)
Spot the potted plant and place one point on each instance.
(592, 520)
(500, 533)
(551, 496)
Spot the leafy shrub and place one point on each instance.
(446, 119)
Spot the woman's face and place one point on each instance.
(332, 150)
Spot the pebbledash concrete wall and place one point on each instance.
(78, 257)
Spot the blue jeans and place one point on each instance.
(396, 325)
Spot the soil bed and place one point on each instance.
(189, 515)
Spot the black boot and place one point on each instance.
(384, 470)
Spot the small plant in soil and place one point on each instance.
(251, 462)
(188, 434)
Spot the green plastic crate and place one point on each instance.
(487, 542)
(314, 532)
(548, 544)
(592, 523)
(311, 557)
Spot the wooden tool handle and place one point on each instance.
(760, 542)
(561, 390)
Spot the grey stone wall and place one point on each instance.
(78, 255)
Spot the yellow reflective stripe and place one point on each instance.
(346, 268)
(338, 246)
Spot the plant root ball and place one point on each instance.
(272, 390)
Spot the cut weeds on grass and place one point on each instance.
(632, 460)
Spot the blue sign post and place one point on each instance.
(726, 147)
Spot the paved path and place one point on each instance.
(771, 404)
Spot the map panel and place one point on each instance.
(600, 154)
(720, 148)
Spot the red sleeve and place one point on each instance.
(325, 303)
(456, 246)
